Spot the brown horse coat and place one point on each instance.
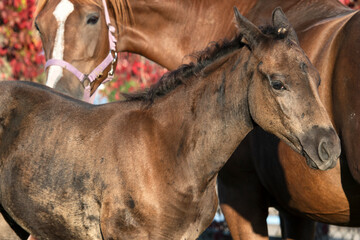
(146, 168)
(329, 33)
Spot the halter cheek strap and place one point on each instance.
(87, 79)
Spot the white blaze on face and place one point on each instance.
(61, 13)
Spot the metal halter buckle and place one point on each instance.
(85, 81)
(111, 72)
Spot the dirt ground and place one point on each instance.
(5, 231)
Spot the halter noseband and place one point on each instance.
(87, 79)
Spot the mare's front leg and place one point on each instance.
(243, 199)
(295, 227)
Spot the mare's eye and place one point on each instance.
(92, 20)
(318, 81)
(37, 27)
(277, 85)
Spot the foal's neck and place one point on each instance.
(208, 118)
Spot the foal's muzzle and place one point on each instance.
(321, 147)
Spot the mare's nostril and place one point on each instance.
(323, 151)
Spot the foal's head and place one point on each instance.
(76, 31)
(282, 95)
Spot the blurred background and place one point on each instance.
(21, 58)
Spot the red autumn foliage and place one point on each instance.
(354, 4)
(21, 55)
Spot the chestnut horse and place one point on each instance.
(146, 168)
(328, 32)
(100, 56)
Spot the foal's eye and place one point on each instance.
(92, 20)
(277, 85)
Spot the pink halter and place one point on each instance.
(110, 59)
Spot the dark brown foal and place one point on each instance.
(164, 32)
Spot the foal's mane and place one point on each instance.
(185, 73)
(170, 80)
(122, 8)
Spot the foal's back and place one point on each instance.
(48, 147)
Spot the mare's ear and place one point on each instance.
(280, 21)
(250, 32)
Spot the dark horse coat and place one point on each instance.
(146, 168)
(262, 172)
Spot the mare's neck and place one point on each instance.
(167, 31)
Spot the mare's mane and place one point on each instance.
(122, 9)
(185, 73)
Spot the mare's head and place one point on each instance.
(283, 91)
(75, 31)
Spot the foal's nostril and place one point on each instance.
(323, 151)
(321, 147)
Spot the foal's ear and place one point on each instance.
(250, 32)
(280, 21)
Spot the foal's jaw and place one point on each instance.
(320, 146)
(311, 134)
